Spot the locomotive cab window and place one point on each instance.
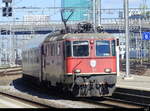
(80, 48)
(102, 48)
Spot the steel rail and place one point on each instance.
(25, 100)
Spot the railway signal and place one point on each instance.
(4, 11)
(7, 1)
(126, 15)
(7, 11)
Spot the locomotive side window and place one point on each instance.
(68, 48)
(113, 48)
(47, 50)
(102, 48)
(58, 49)
(80, 48)
(55, 51)
(52, 50)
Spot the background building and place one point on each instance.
(82, 9)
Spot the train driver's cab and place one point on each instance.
(77, 48)
(86, 48)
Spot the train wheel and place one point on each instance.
(59, 87)
(75, 90)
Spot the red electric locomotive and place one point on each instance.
(82, 63)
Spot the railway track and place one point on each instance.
(137, 68)
(47, 98)
(122, 103)
(17, 70)
(64, 102)
(138, 96)
(26, 102)
(105, 102)
(51, 99)
(8, 74)
(132, 96)
(112, 103)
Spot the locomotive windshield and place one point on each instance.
(102, 48)
(80, 48)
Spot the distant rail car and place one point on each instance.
(82, 63)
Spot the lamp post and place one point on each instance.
(99, 11)
(94, 14)
(126, 15)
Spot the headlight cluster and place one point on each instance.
(77, 71)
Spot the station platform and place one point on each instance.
(136, 82)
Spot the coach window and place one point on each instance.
(80, 48)
(28, 56)
(102, 48)
(68, 48)
(52, 50)
(33, 54)
(49, 49)
(37, 59)
(58, 49)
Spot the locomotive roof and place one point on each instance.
(79, 36)
(37, 41)
(89, 35)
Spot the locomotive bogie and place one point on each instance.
(91, 85)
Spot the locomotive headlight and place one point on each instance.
(107, 70)
(77, 71)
